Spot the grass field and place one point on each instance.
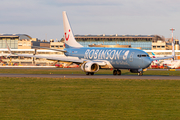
(79, 71)
(45, 98)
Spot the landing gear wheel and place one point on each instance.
(140, 73)
(115, 72)
(119, 72)
(87, 73)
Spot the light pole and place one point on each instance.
(173, 43)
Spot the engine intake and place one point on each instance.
(90, 67)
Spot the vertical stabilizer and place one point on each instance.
(68, 34)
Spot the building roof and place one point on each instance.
(115, 35)
(21, 36)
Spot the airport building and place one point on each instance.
(12, 40)
(56, 45)
(23, 44)
(143, 42)
(20, 41)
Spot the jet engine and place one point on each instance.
(90, 67)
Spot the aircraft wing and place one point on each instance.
(62, 58)
(102, 63)
(161, 58)
(59, 58)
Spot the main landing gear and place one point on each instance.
(117, 72)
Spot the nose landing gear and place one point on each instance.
(140, 73)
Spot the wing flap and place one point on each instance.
(59, 58)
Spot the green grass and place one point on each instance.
(46, 98)
(79, 71)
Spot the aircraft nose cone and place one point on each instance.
(147, 62)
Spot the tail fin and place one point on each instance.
(153, 55)
(68, 34)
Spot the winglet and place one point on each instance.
(8, 49)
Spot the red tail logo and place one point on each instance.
(67, 38)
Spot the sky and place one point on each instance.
(42, 19)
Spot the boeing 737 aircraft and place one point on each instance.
(93, 59)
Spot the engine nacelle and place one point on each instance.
(90, 67)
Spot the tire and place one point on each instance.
(140, 73)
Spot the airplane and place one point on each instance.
(172, 64)
(92, 59)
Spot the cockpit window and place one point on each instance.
(143, 55)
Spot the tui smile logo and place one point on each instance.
(67, 37)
